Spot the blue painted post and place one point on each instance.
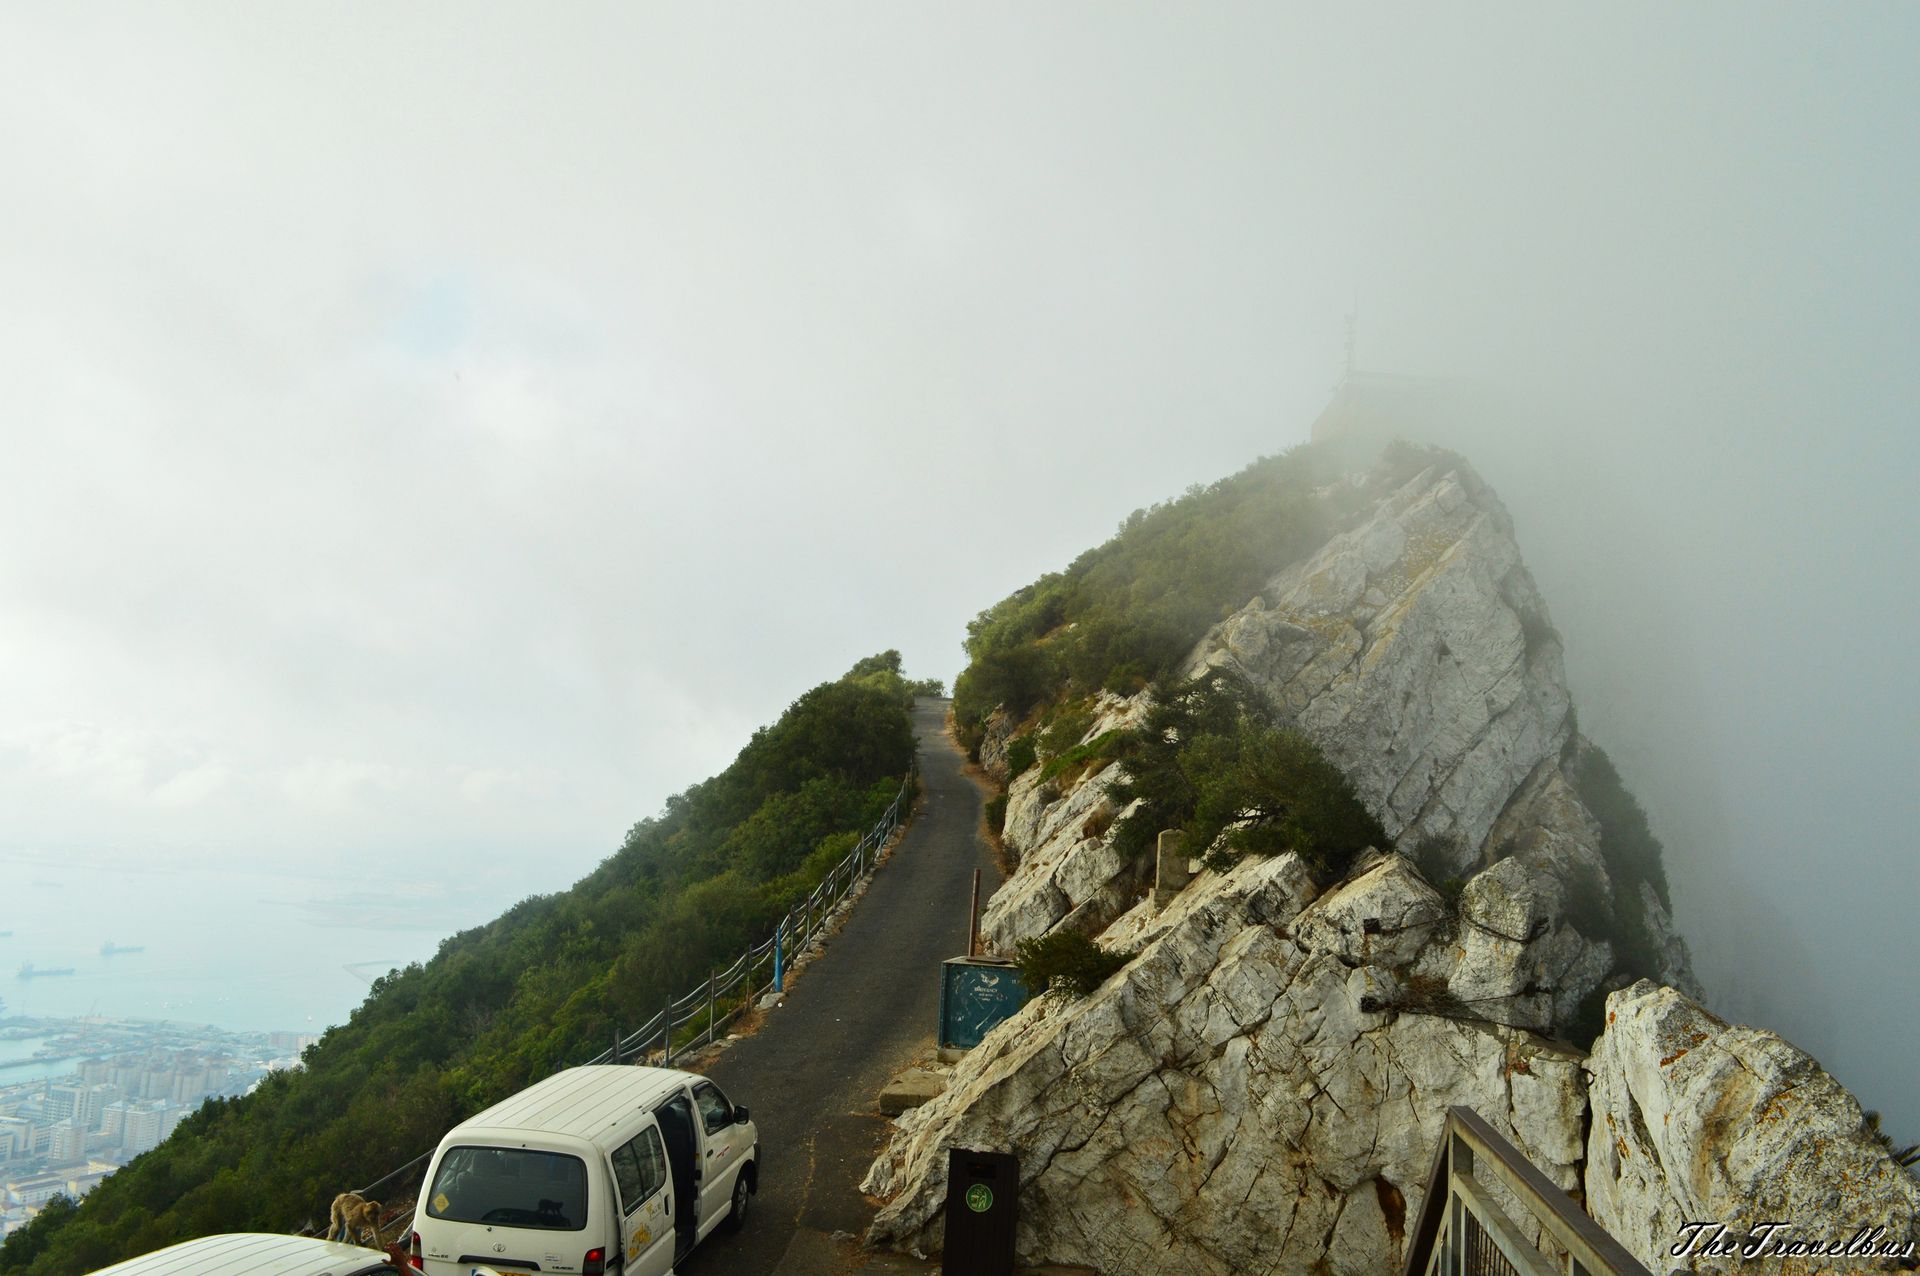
(779, 969)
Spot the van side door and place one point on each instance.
(646, 1229)
(723, 1148)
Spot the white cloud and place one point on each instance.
(335, 784)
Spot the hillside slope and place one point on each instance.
(544, 985)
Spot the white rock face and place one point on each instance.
(994, 739)
(1059, 835)
(1403, 649)
(1224, 1104)
(1417, 654)
(1695, 1119)
(1069, 874)
(1260, 1089)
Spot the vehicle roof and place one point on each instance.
(590, 1103)
(250, 1254)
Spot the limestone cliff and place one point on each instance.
(1241, 1097)
(1260, 1088)
(1696, 1119)
(1414, 649)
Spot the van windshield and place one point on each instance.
(511, 1187)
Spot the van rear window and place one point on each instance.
(510, 1187)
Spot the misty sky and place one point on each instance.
(430, 435)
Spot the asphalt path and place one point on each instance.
(862, 1010)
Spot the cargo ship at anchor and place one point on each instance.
(111, 949)
(31, 971)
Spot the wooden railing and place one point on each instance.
(1463, 1231)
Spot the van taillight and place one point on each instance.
(418, 1263)
(596, 1264)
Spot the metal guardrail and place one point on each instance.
(1462, 1231)
(791, 934)
(764, 960)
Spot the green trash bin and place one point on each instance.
(976, 993)
(983, 1198)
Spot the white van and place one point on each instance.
(256, 1254)
(594, 1170)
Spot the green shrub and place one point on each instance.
(1126, 612)
(1065, 730)
(1632, 854)
(1020, 755)
(1209, 759)
(1067, 962)
(1098, 751)
(996, 812)
(1434, 856)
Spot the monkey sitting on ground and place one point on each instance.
(352, 1211)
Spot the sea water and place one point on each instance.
(237, 946)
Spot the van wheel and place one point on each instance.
(742, 1199)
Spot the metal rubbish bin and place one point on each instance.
(983, 1196)
(976, 993)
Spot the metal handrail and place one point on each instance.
(857, 864)
(1460, 1223)
(798, 928)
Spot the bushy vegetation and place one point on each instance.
(1633, 855)
(545, 985)
(1123, 614)
(1210, 760)
(1021, 754)
(1067, 962)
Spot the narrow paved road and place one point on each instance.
(861, 1011)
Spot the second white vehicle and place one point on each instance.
(594, 1170)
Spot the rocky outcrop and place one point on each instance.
(1245, 1095)
(995, 736)
(1698, 1120)
(1261, 1087)
(1059, 834)
(1417, 653)
(1414, 649)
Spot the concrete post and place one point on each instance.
(1170, 871)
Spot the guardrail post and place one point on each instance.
(666, 1031)
(616, 1043)
(710, 1019)
(779, 970)
(1460, 1157)
(973, 918)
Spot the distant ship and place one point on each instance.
(110, 949)
(31, 971)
